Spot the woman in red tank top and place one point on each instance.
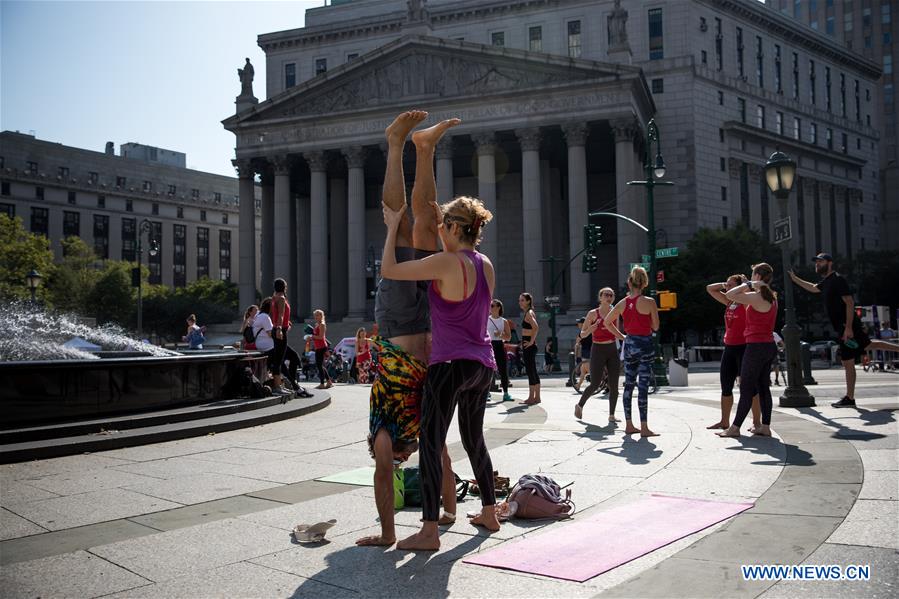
(755, 370)
(641, 317)
(603, 354)
(734, 346)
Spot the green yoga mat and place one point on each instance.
(363, 477)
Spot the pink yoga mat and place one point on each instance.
(582, 549)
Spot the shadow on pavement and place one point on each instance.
(770, 446)
(870, 417)
(635, 452)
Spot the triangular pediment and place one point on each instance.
(424, 69)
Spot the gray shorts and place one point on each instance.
(401, 307)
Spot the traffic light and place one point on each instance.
(592, 237)
(589, 264)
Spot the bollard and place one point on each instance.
(677, 372)
(805, 356)
(572, 376)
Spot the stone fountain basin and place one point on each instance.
(33, 393)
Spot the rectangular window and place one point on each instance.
(722, 164)
(797, 128)
(202, 252)
(766, 215)
(720, 98)
(744, 193)
(535, 38)
(858, 103)
(195, 194)
(827, 94)
(8, 209)
(719, 45)
(811, 82)
(129, 206)
(179, 255)
(31, 167)
(720, 135)
(321, 65)
(759, 61)
(203, 215)
(887, 64)
(39, 192)
(120, 182)
(760, 116)
(885, 16)
(39, 221)
(147, 186)
(498, 38)
(155, 262)
(741, 107)
(217, 197)
(574, 39)
(225, 255)
(656, 40)
(724, 222)
(101, 201)
(4, 188)
(740, 70)
(180, 212)
(71, 224)
(847, 22)
(352, 56)
(101, 236)
(155, 208)
(658, 86)
(171, 190)
(778, 87)
(723, 193)
(62, 172)
(844, 143)
(290, 75)
(225, 218)
(813, 132)
(828, 137)
(129, 235)
(704, 56)
(779, 122)
(842, 95)
(888, 97)
(795, 76)
(72, 198)
(93, 178)
(828, 25)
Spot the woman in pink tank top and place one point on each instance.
(641, 317)
(755, 371)
(461, 365)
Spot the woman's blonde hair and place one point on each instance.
(638, 279)
(322, 312)
(360, 331)
(471, 216)
(604, 289)
(764, 270)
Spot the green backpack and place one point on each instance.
(407, 487)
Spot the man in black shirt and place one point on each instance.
(840, 307)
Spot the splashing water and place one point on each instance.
(27, 333)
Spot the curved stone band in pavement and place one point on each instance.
(820, 482)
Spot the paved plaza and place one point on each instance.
(212, 516)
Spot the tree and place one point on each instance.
(73, 281)
(112, 298)
(20, 252)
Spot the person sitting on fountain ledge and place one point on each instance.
(195, 334)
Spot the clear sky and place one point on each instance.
(160, 73)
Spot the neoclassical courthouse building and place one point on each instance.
(554, 97)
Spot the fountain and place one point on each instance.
(43, 380)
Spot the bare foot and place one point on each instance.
(731, 431)
(446, 520)
(375, 541)
(630, 429)
(613, 419)
(578, 411)
(531, 402)
(645, 432)
(428, 138)
(762, 430)
(419, 542)
(488, 522)
(720, 424)
(397, 131)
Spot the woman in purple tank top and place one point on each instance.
(461, 366)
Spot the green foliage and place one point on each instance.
(21, 251)
(74, 278)
(112, 299)
(166, 309)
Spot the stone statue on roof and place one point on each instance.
(246, 79)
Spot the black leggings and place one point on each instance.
(603, 356)
(320, 365)
(754, 380)
(731, 363)
(530, 364)
(462, 382)
(499, 352)
(293, 359)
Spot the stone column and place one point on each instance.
(840, 213)
(576, 138)
(355, 161)
(337, 247)
(246, 242)
(485, 147)
(827, 241)
(755, 202)
(268, 229)
(631, 240)
(281, 226)
(444, 172)
(808, 191)
(318, 231)
(530, 211)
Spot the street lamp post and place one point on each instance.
(655, 169)
(33, 279)
(780, 172)
(145, 227)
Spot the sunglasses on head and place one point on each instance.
(607, 294)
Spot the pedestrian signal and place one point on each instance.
(667, 300)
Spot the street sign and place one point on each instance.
(660, 276)
(553, 301)
(542, 314)
(644, 258)
(782, 230)
(645, 265)
(666, 253)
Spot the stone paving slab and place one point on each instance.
(13, 526)
(90, 508)
(79, 575)
(879, 459)
(41, 468)
(808, 499)
(883, 584)
(13, 492)
(699, 482)
(73, 483)
(880, 484)
(302, 491)
(179, 552)
(199, 488)
(242, 456)
(191, 515)
(871, 522)
(170, 449)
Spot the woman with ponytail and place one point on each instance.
(755, 370)
(529, 329)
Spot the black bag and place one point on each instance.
(248, 335)
(412, 487)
